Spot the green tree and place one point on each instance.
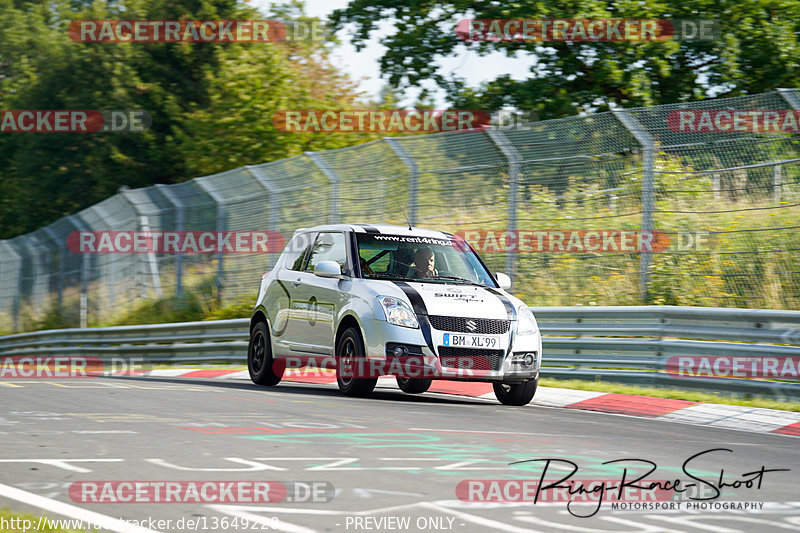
(250, 85)
(211, 103)
(757, 52)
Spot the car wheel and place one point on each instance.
(414, 385)
(516, 393)
(260, 364)
(350, 355)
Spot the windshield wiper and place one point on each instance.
(387, 275)
(459, 278)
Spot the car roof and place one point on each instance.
(379, 228)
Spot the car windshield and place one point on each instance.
(417, 258)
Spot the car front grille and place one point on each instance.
(483, 326)
(470, 359)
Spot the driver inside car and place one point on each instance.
(424, 264)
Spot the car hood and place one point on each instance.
(459, 300)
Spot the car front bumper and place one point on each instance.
(427, 361)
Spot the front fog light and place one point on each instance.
(400, 351)
(525, 359)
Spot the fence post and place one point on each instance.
(107, 264)
(84, 305)
(513, 158)
(144, 225)
(152, 263)
(647, 143)
(274, 204)
(413, 177)
(16, 287)
(791, 97)
(177, 203)
(35, 272)
(221, 226)
(333, 177)
(61, 246)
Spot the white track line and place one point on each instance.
(72, 511)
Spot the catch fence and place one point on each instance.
(725, 202)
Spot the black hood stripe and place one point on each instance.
(368, 228)
(418, 305)
(510, 311)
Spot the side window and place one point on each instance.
(296, 250)
(328, 247)
(379, 261)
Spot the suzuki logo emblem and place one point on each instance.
(472, 325)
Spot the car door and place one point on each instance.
(318, 299)
(287, 306)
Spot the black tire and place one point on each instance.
(349, 349)
(516, 393)
(414, 385)
(260, 362)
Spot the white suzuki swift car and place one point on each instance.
(392, 300)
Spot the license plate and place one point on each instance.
(471, 341)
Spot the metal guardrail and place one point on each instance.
(622, 344)
(223, 341)
(633, 344)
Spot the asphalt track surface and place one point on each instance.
(390, 462)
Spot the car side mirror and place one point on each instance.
(503, 280)
(328, 269)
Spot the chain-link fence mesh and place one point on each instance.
(734, 192)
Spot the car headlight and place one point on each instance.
(526, 324)
(398, 312)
